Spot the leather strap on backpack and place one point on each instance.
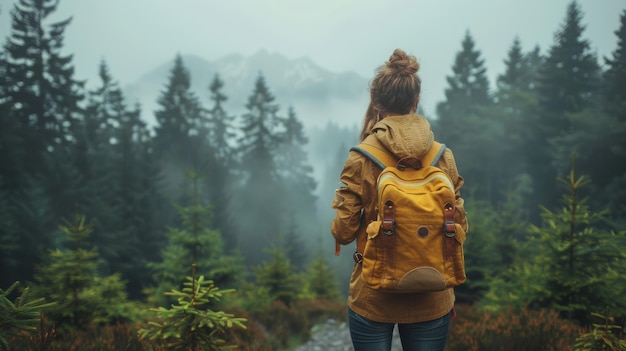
(449, 230)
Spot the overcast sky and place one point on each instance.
(134, 36)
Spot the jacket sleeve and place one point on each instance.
(448, 165)
(347, 202)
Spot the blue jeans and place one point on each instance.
(368, 335)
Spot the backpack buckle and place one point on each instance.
(388, 226)
(389, 222)
(358, 257)
(449, 228)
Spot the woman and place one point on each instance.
(423, 319)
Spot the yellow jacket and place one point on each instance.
(355, 205)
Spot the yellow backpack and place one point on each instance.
(414, 245)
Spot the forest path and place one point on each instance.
(334, 336)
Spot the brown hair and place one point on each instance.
(394, 90)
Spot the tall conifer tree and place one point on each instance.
(467, 92)
(463, 123)
(259, 197)
(569, 78)
(515, 110)
(520, 70)
(42, 90)
(10, 154)
(615, 107)
(222, 131)
(41, 103)
(180, 133)
(221, 163)
(298, 186)
(123, 178)
(598, 134)
(568, 85)
(615, 75)
(94, 155)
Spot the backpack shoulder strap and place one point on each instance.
(433, 155)
(374, 150)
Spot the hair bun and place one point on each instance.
(402, 63)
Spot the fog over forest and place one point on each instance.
(229, 162)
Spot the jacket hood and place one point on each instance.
(405, 135)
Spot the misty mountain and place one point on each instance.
(317, 95)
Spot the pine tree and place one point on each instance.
(585, 260)
(259, 195)
(517, 113)
(293, 167)
(94, 158)
(180, 132)
(293, 244)
(322, 281)
(11, 151)
(69, 277)
(467, 92)
(195, 243)
(221, 163)
(615, 76)
(43, 92)
(123, 179)
(41, 105)
(595, 132)
(222, 131)
(521, 70)
(193, 323)
(298, 186)
(279, 277)
(609, 156)
(605, 336)
(573, 262)
(569, 78)
(179, 109)
(568, 86)
(466, 125)
(597, 140)
(516, 96)
(513, 73)
(139, 196)
(261, 132)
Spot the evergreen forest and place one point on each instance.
(210, 230)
